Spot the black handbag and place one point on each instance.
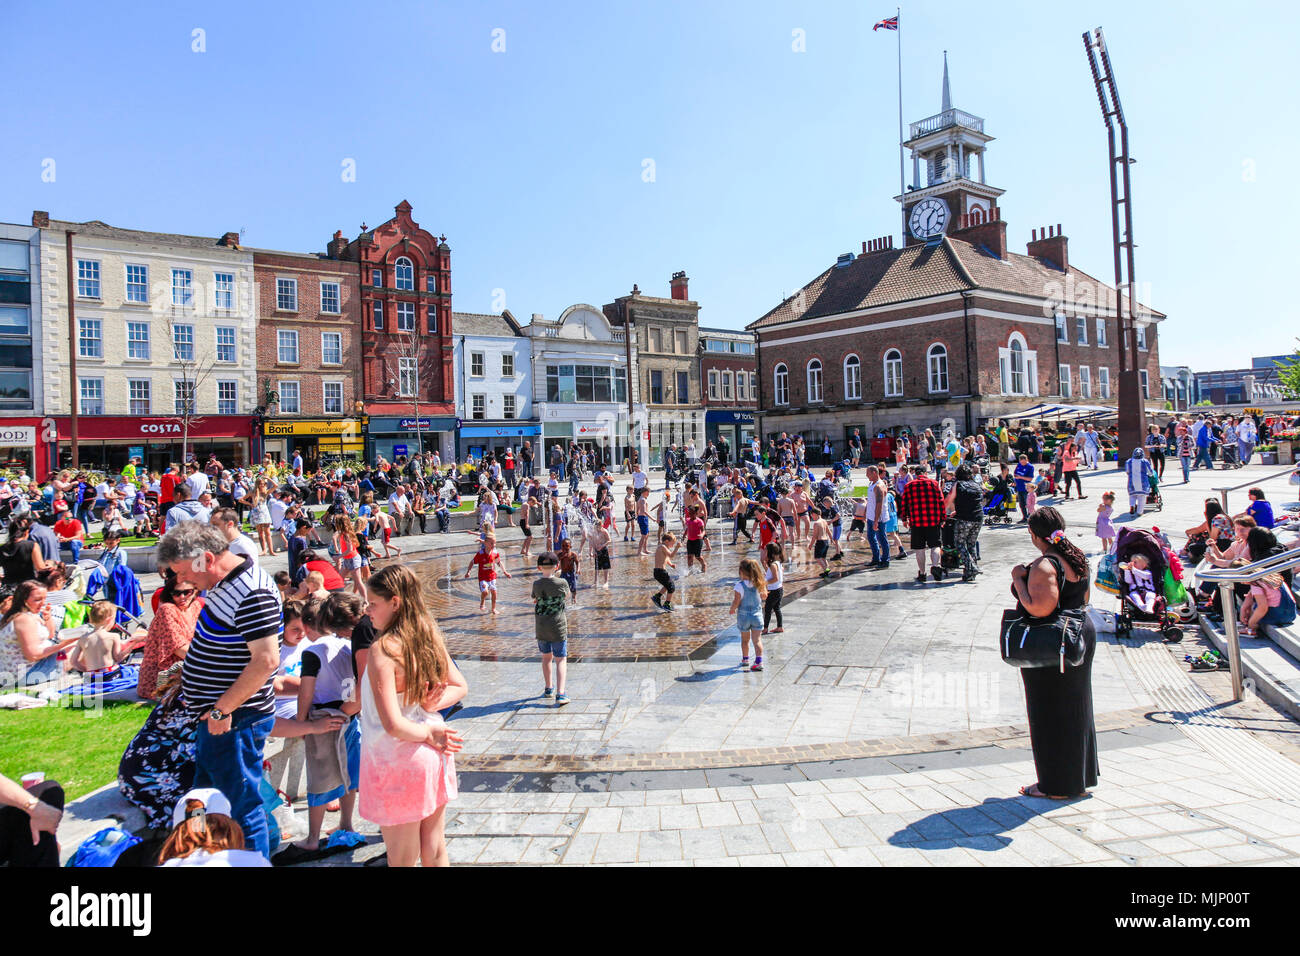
(1053, 641)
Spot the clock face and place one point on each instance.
(928, 219)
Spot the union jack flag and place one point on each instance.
(889, 23)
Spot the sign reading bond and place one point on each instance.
(345, 426)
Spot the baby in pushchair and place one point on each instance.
(1140, 587)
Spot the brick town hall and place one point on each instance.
(953, 326)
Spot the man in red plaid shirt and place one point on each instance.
(923, 509)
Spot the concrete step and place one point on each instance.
(1273, 665)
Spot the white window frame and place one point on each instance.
(1141, 336)
(893, 373)
(325, 398)
(223, 290)
(231, 386)
(937, 371)
(179, 394)
(1101, 332)
(814, 382)
(1081, 329)
(1067, 385)
(1085, 381)
(408, 376)
(132, 344)
(477, 364)
(780, 384)
(337, 296)
(1103, 382)
(431, 316)
(715, 390)
(852, 380)
(404, 283)
(742, 386)
(183, 287)
(478, 406)
(406, 316)
(726, 386)
(137, 291)
(377, 314)
(81, 394)
(1146, 388)
(507, 364)
(88, 284)
(508, 407)
(1062, 328)
(182, 335)
(90, 345)
(131, 397)
(1029, 373)
(286, 294)
(377, 278)
(325, 349)
(286, 408)
(753, 386)
(285, 337)
(233, 344)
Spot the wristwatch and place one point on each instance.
(216, 714)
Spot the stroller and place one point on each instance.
(999, 507)
(949, 555)
(1163, 619)
(1154, 501)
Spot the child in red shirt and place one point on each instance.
(488, 559)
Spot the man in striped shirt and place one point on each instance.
(229, 668)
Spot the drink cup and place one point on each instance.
(30, 780)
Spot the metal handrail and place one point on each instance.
(1223, 492)
(1225, 578)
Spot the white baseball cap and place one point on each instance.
(213, 800)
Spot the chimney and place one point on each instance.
(334, 249)
(230, 240)
(678, 285)
(40, 219)
(1048, 243)
(990, 231)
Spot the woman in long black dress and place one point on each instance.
(1059, 705)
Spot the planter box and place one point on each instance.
(1268, 458)
(1285, 453)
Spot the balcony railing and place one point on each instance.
(947, 118)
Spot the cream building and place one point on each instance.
(156, 315)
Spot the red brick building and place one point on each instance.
(954, 327)
(308, 324)
(406, 357)
(729, 386)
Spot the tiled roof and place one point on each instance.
(479, 323)
(103, 229)
(894, 276)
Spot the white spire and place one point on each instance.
(947, 96)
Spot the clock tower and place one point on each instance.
(947, 171)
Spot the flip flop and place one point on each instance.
(345, 839)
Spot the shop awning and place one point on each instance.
(1046, 410)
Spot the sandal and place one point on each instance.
(1033, 791)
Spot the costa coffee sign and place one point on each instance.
(122, 427)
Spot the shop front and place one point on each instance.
(736, 427)
(403, 436)
(320, 441)
(107, 442)
(478, 440)
(22, 450)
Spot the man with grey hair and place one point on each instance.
(230, 666)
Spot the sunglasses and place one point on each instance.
(186, 592)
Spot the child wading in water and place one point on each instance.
(550, 597)
(750, 592)
(774, 578)
(570, 561)
(599, 541)
(1106, 530)
(663, 560)
(488, 560)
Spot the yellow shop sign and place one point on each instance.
(320, 426)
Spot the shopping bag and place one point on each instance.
(1108, 575)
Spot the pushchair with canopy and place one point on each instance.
(1164, 615)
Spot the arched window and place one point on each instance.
(815, 380)
(893, 374)
(937, 363)
(1018, 365)
(852, 379)
(404, 274)
(781, 385)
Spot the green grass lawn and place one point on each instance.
(79, 748)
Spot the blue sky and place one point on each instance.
(767, 162)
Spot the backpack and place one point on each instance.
(103, 848)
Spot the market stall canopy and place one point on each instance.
(1046, 410)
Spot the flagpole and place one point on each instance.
(902, 183)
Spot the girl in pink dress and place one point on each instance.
(408, 772)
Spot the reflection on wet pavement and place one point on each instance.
(615, 624)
